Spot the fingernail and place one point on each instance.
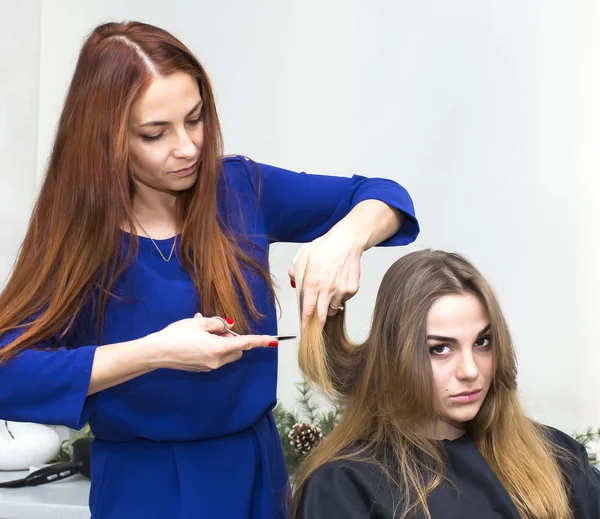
(293, 283)
(272, 344)
(229, 321)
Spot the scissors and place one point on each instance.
(227, 330)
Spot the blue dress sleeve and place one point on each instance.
(45, 385)
(299, 207)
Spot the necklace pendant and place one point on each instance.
(160, 252)
(155, 244)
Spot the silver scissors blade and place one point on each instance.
(278, 337)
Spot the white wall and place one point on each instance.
(19, 91)
(486, 111)
(587, 180)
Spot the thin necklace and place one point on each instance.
(157, 247)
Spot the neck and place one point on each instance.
(448, 430)
(155, 211)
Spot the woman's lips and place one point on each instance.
(184, 172)
(465, 398)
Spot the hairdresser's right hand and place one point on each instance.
(196, 344)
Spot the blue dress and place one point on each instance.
(174, 444)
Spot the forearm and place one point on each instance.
(120, 362)
(370, 222)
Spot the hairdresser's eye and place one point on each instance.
(150, 138)
(439, 349)
(195, 122)
(483, 342)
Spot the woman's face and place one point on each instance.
(460, 351)
(166, 133)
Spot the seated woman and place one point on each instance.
(433, 426)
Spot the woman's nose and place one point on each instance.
(185, 147)
(467, 368)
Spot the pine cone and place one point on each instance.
(303, 437)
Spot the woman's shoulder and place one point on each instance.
(583, 478)
(348, 469)
(345, 488)
(570, 454)
(350, 475)
(241, 173)
(239, 165)
(562, 440)
(236, 161)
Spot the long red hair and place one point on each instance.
(74, 242)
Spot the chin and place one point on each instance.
(463, 415)
(184, 183)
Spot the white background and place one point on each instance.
(487, 111)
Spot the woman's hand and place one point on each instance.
(332, 274)
(333, 270)
(199, 344)
(195, 344)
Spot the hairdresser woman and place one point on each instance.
(144, 249)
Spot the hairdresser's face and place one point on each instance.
(166, 133)
(460, 352)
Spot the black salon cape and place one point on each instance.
(348, 489)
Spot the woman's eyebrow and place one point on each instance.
(442, 338)
(452, 339)
(165, 123)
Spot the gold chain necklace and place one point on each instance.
(157, 247)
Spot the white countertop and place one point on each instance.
(66, 499)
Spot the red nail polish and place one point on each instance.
(229, 321)
(293, 283)
(272, 344)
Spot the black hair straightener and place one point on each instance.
(79, 464)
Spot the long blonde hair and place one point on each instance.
(387, 384)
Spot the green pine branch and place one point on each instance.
(588, 435)
(328, 420)
(305, 401)
(309, 412)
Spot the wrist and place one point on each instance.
(372, 222)
(357, 237)
(152, 352)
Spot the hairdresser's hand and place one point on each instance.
(332, 273)
(197, 344)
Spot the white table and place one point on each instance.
(66, 499)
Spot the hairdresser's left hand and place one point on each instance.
(332, 273)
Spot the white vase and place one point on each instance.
(30, 445)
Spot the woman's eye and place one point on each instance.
(194, 122)
(483, 342)
(150, 138)
(438, 349)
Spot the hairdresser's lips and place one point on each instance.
(185, 172)
(466, 397)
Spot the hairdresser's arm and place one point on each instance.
(368, 224)
(188, 345)
(117, 363)
(300, 207)
(341, 216)
(333, 270)
(52, 386)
